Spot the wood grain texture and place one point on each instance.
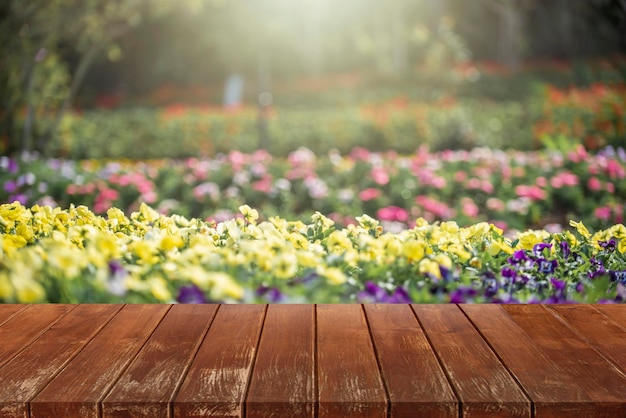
(283, 381)
(599, 379)
(483, 384)
(597, 330)
(614, 312)
(554, 390)
(217, 380)
(31, 370)
(414, 378)
(18, 331)
(147, 387)
(8, 310)
(76, 393)
(349, 380)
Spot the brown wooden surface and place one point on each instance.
(312, 360)
(475, 371)
(415, 380)
(151, 381)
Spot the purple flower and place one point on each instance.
(400, 295)
(546, 266)
(373, 293)
(565, 249)
(10, 186)
(271, 294)
(20, 197)
(12, 166)
(609, 245)
(538, 248)
(490, 284)
(191, 294)
(558, 285)
(618, 276)
(518, 257)
(463, 295)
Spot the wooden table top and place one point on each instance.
(312, 360)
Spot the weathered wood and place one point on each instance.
(414, 378)
(76, 393)
(21, 329)
(614, 312)
(283, 382)
(149, 384)
(8, 310)
(483, 384)
(554, 390)
(597, 330)
(349, 381)
(31, 370)
(599, 379)
(309, 361)
(218, 378)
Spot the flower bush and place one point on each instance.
(72, 255)
(514, 190)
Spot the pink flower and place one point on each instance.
(495, 204)
(369, 194)
(594, 184)
(569, 179)
(580, 154)
(237, 159)
(469, 208)
(380, 176)
(615, 170)
(263, 185)
(438, 182)
(603, 212)
(610, 187)
(486, 186)
(474, 183)
(531, 192)
(460, 176)
(392, 213)
(541, 181)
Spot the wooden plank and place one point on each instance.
(8, 310)
(75, 392)
(482, 383)
(617, 313)
(597, 330)
(349, 380)
(554, 389)
(283, 381)
(218, 378)
(31, 370)
(23, 328)
(149, 384)
(414, 378)
(599, 379)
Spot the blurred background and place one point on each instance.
(166, 78)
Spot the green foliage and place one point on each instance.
(148, 133)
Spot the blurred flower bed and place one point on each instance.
(514, 190)
(593, 116)
(73, 255)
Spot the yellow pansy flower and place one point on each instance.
(414, 250)
(249, 214)
(333, 274)
(338, 242)
(428, 266)
(284, 265)
(582, 229)
(528, 239)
